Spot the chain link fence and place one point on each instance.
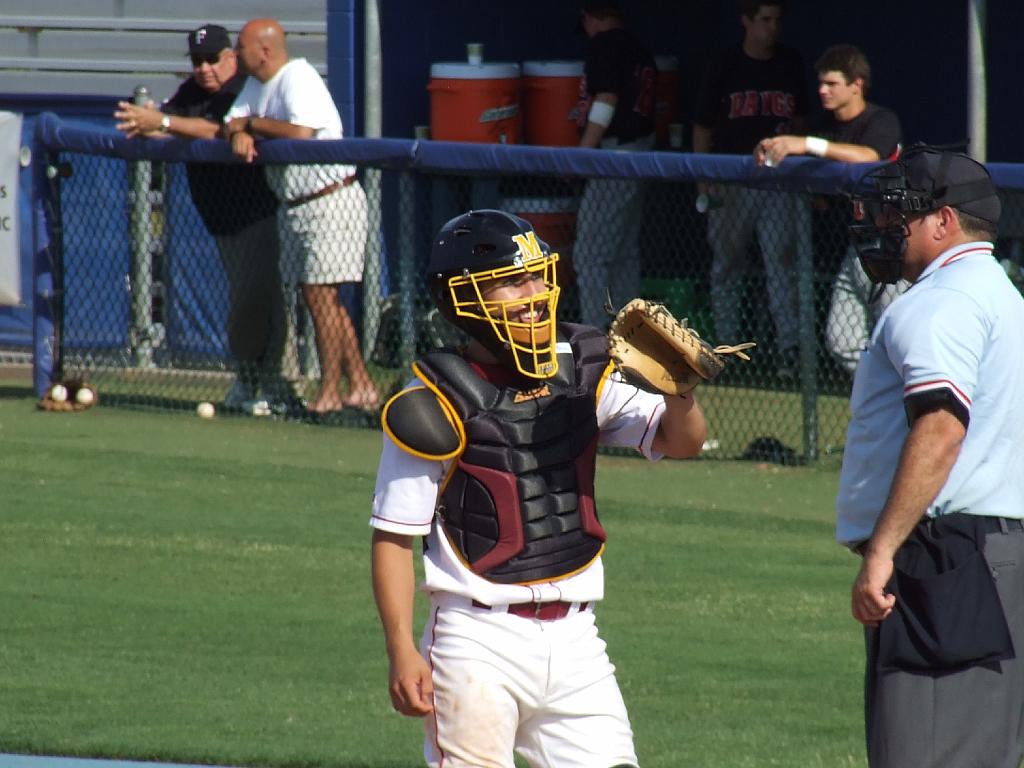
(165, 304)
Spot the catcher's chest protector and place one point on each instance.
(519, 504)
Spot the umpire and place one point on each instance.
(238, 209)
(932, 486)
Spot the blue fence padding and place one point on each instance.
(44, 300)
(96, 267)
(56, 133)
(195, 292)
(1007, 175)
(44, 271)
(796, 173)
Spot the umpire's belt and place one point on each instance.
(549, 611)
(321, 192)
(990, 525)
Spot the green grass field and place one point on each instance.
(197, 591)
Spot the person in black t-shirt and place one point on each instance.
(616, 112)
(746, 92)
(851, 130)
(238, 209)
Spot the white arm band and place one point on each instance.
(601, 112)
(817, 146)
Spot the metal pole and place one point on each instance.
(407, 282)
(372, 110)
(141, 277)
(977, 103)
(808, 342)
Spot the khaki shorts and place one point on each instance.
(323, 241)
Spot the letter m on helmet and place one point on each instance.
(529, 248)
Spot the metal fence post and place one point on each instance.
(407, 278)
(808, 339)
(372, 269)
(141, 277)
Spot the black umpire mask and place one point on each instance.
(880, 234)
(881, 246)
(923, 180)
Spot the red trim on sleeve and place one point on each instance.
(937, 384)
(650, 421)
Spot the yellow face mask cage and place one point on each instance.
(532, 343)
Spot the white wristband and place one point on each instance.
(601, 112)
(817, 146)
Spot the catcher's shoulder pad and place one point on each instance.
(423, 424)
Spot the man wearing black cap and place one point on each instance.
(238, 209)
(931, 493)
(616, 112)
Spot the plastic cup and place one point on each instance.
(675, 135)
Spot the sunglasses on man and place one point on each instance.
(198, 59)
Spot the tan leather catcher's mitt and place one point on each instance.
(72, 399)
(655, 352)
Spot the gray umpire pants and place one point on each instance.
(968, 719)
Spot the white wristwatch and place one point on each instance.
(165, 124)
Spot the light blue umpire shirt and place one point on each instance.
(960, 328)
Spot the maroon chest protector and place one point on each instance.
(519, 504)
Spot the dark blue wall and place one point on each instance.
(344, 55)
(917, 49)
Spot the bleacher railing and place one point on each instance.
(133, 295)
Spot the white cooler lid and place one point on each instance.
(462, 70)
(554, 204)
(666, 63)
(553, 68)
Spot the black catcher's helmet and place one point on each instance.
(479, 252)
(923, 180)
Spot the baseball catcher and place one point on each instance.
(654, 351)
(489, 454)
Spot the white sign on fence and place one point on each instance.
(10, 249)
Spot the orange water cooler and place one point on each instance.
(475, 102)
(551, 94)
(554, 221)
(666, 98)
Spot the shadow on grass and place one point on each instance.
(349, 417)
(15, 390)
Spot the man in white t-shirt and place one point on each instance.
(489, 454)
(323, 217)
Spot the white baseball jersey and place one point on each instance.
(295, 94)
(505, 683)
(407, 486)
(958, 329)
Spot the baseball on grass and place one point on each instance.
(85, 396)
(58, 393)
(205, 410)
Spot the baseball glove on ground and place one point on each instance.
(655, 352)
(77, 396)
